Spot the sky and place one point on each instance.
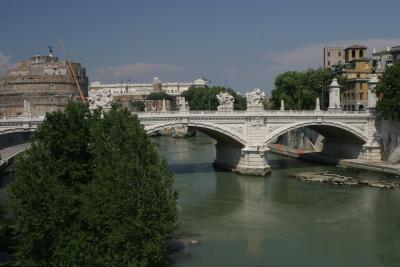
(240, 44)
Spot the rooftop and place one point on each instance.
(395, 48)
(356, 46)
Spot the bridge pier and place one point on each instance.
(371, 152)
(247, 160)
(254, 162)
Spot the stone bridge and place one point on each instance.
(243, 136)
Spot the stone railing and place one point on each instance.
(22, 118)
(258, 113)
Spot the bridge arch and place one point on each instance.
(229, 148)
(340, 139)
(320, 127)
(220, 133)
(16, 130)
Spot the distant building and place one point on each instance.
(126, 93)
(141, 90)
(43, 84)
(381, 60)
(395, 51)
(333, 56)
(358, 72)
(385, 58)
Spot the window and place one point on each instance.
(352, 97)
(329, 63)
(353, 53)
(361, 53)
(329, 54)
(361, 96)
(340, 54)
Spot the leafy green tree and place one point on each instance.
(388, 90)
(160, 96)
(300, 89)
(92, 191)
(6, 236)
(200, 98)
(138, 105)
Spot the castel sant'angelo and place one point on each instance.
(41, 84)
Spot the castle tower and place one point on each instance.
(157, 84)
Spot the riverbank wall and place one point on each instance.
(389, 138)
(377, 166)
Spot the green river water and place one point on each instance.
(278, 221)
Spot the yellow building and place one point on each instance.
(358, 72)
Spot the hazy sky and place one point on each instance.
(243, 43)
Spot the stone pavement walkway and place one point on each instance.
(380, 166)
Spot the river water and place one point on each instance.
(278, 221)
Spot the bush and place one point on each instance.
(160, 96)
(138, 105)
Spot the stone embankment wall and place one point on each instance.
(389, 138)
(303, 139)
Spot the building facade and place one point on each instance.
(395, 51)
(141, 90)
(126, 93)
(381, 60)
(333, 56)
(43, 83)
(358, 72)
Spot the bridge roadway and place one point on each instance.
(243, 136)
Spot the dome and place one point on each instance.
(200, 82)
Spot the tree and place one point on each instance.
(388, 90)
(138, 105)
(160, 96)
(92, 191)
(300, 89)
(200, 98)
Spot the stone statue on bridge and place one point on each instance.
(102, 99)
(225, 101)
(255, 100)
(181, 103)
